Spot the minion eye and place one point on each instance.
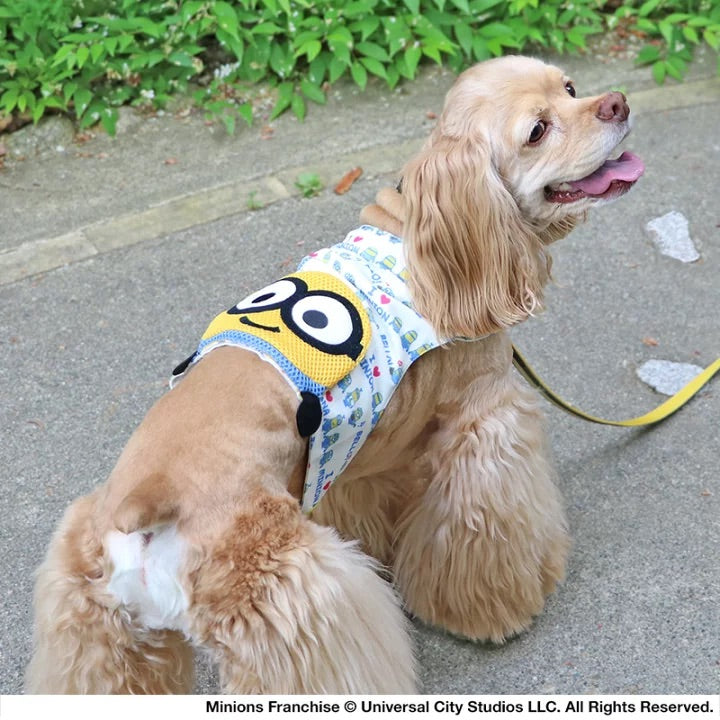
(268, 297)
(327, 321)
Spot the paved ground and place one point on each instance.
(114, 255)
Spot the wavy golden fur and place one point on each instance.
(197, 537)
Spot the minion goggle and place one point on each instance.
(310, 323)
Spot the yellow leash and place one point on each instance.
(659, 413)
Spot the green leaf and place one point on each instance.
(286, 91)
(306, 35)
(282, 60)
(432, 52)
(226, 17)
(374, 66)
(55, 102)
(229, 121)
(480, 6)
(96, 52)
(648, 54)
(699, 22)
(311, 48)
(649, 26)
(413, 6)
(190, 8)
(81, 98)
(38, 111)
(109, 118)
(69, 90)
(496, 29)
(245, 111)
(373, 50)
(317, 69)
(126, 41)
(182, 59)
(536, 34)
(309, 184)
(148, 27)
(359, 75)
(337, 68)
(63, 54)
(647, 7)
(313, 92)
(83, 53)
(340, 39)
(412, 58)
(691, 35)
(495, 46)
(393, 77)
(9, 99)
(575, 38)
(666, 30)
(232, 42)
(267, 28)
(658, 71)
(676, 18)
(397, 34)
(676, 67)
(565, 18)
(462, 5)
(464, 35)
(357, 9)
(92, 114)
(298, 107)
(366, 26)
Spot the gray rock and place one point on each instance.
(667, 377)
(52, 134)
(129, 120)
(671, 236)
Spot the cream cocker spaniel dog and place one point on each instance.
(200, 537)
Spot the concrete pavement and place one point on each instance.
(114, 255)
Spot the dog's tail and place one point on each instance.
(150, 503)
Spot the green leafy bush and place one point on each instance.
(674, 29)
(90, 56)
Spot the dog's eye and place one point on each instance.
(537, 132)
(570, 89)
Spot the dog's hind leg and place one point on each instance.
(287, 607)
(479, 549)
(83, 641)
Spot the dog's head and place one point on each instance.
(515, 161)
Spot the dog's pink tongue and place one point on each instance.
(628, 167)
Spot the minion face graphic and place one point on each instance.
(312, 319)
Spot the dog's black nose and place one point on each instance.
(613, 106)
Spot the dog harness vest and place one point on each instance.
(342, 331)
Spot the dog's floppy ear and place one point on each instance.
(151, 502)
(475, 265)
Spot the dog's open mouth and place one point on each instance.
(612, 179)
